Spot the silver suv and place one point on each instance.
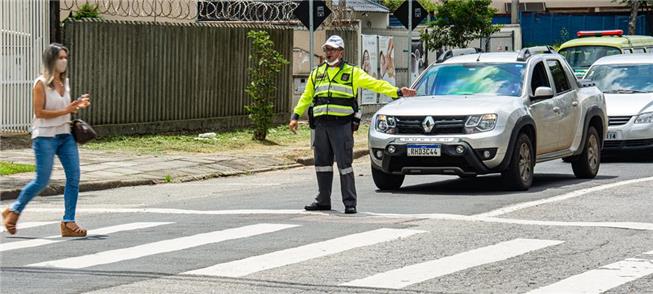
(481, 113)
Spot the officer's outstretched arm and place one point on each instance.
(365, 81)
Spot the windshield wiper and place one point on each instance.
(623, 91)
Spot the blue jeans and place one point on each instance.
(45, 148)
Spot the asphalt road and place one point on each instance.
(437, 234)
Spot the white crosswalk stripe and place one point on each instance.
(276, 259)
(164, 246)
(26, 225)
(412, 274)
(601, 279)
(94, 232)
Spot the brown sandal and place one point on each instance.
(10, 219)
(71, 229)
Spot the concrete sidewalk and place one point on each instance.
(107, 170)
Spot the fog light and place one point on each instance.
(379, 154)
(487, 154)
(392, 149)
(460, 149)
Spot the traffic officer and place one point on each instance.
(331, 91)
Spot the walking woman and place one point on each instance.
(51, 136)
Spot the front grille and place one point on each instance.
(618, 120)
(639, 143)
(612, 144)
(412, 125)
(628, 143)
(399, 162)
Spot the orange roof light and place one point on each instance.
(581, 34)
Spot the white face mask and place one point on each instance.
(61, 65)
(334, 62)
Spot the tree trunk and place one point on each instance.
(632, 23)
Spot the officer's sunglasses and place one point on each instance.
(329, 49)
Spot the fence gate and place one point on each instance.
(23, 37)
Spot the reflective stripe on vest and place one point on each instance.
(334, 110)
(341, 90)
(328, 92)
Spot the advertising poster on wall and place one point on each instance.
(417, 59)
(369, 63)
(386, 64)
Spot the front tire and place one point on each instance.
(519, 174)
(385, 181)
(586, 165)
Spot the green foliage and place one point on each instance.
(459, 21)
(265, 64)
(392, 5)
(10, 168)
(167, 179)
(86, 10)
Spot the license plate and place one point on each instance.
(613, 135)
(424, 150)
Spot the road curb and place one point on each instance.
(58, 188)
(309, 160)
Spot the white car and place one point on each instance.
(627, 82)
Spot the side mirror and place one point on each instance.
(584, 83)
(543, 93)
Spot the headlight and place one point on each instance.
(481, 123)
(644, 118)
(386, 124)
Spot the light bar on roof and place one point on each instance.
(581, 34)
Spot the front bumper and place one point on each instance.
(629, 137)
(451, 161)
(628, 145)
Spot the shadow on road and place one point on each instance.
(627, 156)
(491, 185)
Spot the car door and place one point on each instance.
(566, 99)
(542, 111)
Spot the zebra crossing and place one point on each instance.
(598, 280)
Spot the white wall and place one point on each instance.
(373, 20)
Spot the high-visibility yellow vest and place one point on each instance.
(337, 96)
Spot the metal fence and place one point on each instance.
(279, 11)
(154, 77)
(23, 37)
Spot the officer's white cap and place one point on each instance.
(334, 42)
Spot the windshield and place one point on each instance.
(503, 79)
(584, 56)
(623, 78)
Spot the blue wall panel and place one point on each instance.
(550, 29)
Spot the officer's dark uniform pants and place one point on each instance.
(334, 139)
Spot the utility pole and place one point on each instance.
(514, 12)
(55, 23)
(310, 34)
(410, 41)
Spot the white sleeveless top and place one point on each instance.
(50, 127)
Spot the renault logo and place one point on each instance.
(428, 124)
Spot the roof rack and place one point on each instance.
(457, 52)
(526, 53)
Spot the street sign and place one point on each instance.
(419, 14)
(320, 13)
